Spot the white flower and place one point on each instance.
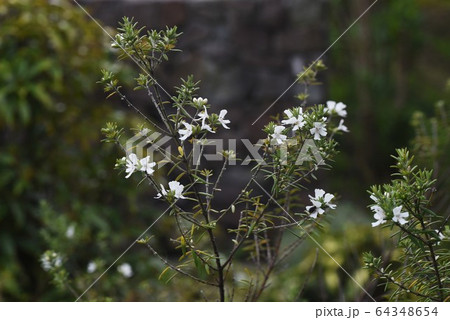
(58, 261)
(375, 199)
(125, 269)
(318, 130)
(317, 209)
(339, 108)
(320, 199)
(298, 121)
(116, 43)
(185, 133)
(51, 260)
(91, 267)
(175, 188)
(440, 234)
(399, 216)
(342, 127)
(203, 115)
(200, 102)
(222, 119)
(147, 166)
(132, 164)
(207, 127)
(379, 215)
(70, 232)
(144, 165)
(162, 193)
(144, 132)
(277, 136)
(45, 262)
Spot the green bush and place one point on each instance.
(49, 119)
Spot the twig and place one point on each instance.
(171, 266)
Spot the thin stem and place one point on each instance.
(179, 270)
(189, 245)
(131, 105)
(401, 286)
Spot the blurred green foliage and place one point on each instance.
(55, 174)
(431, 145)
(392, 63)
(50, 118)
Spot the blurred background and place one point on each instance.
(58, 189)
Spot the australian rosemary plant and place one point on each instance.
(291, 151)
(420, 267)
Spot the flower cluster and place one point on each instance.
(380, 215)
(206, 120)
(337, 108)
(175, 191)
(134, 164)
(320, 202)
(51, 260)
(315, 122)
(295, 118)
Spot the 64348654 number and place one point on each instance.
(407, 311)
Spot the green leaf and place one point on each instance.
(199, 265)
(164, 272)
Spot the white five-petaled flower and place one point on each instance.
(277, 136)
(203, 115)
(338, 107)
(222, 119)
(318, 130)
(175, 188)
(342, 127)
(185, 133)
(399, 216)
(91, 267)
(200, 101)
(132, 164)
(126, 270)
(147, 166)
(144, 165)
(70, 232)
(379, 215)
(297, 122)
(320, 199)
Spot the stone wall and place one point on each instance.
(246, 53)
